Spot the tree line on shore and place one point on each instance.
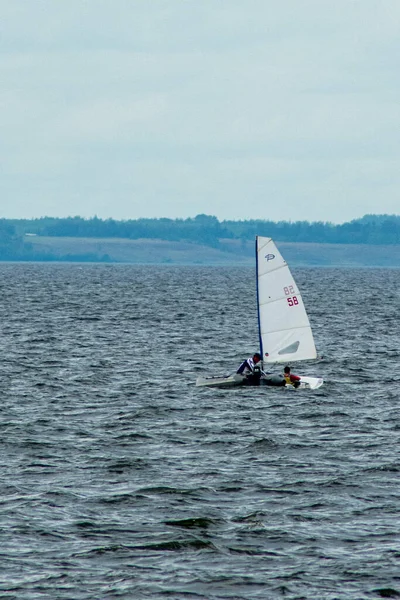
(202, 229)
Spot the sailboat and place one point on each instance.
(285, 333)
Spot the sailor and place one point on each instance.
(249, 369)
(290, 378)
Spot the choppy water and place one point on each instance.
(121, 479)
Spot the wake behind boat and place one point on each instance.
(285, 333)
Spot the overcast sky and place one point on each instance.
(266, 109)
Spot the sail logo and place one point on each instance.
(270, 257)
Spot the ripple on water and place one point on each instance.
(121, 479)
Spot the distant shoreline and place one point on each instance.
(228, 252)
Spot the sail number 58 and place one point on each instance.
(290, 291)
(292, 301)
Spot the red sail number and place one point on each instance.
(293, 301)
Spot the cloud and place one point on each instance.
(130, 109)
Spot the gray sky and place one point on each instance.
(266, 109)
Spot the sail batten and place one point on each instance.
(284, 328)
(287, 329)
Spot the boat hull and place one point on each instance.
(311, 383)
(226, 381)
(236, 380)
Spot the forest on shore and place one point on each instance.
(18, 237)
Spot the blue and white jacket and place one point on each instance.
(246, 366)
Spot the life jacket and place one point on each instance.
(290, 378)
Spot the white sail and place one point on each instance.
(284, 328)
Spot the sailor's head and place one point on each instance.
(286, 370)
(256, 357)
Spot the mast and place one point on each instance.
(258, 303)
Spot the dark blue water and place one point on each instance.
(121, 479)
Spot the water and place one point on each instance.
(121, 479)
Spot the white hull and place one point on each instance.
(311, 383)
